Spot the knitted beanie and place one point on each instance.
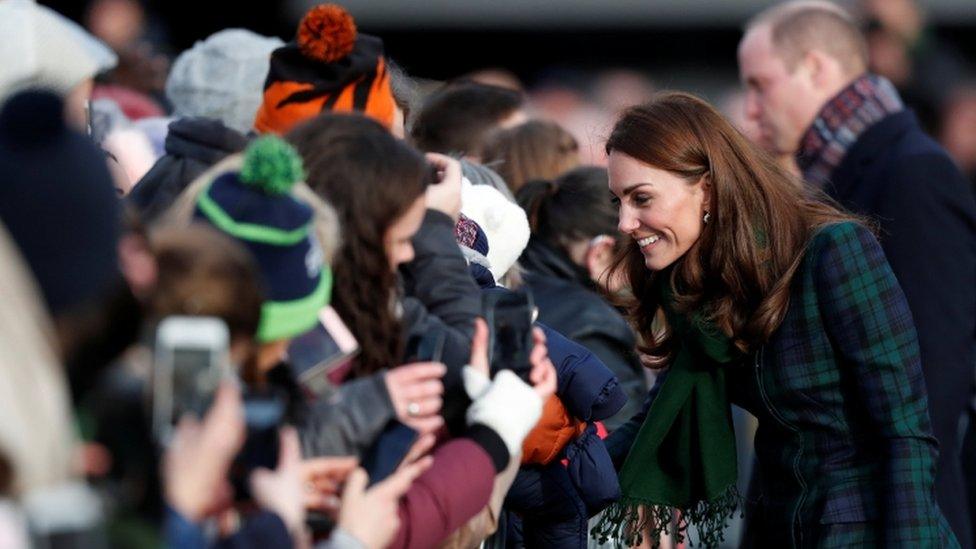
(328, 67)
(58, 202)
(255, 207)
(474, 246)
(40, 48)
(222, 77)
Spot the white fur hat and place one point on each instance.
(41, 48)
(504, 223)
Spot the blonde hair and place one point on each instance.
(801, 26)
(36, 428)
(180, 214)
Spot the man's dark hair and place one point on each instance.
(457, 118)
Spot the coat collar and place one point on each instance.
(842, 120)
(867, 149)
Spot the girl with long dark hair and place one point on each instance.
(397, 212)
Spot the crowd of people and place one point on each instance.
(284, 294)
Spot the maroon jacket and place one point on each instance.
(456, 488)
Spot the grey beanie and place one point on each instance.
(41, 48)
(222, 77)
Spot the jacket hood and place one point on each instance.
(205, 139)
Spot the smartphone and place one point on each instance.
(430, 347)
(191, 358)
(388, 451)
(264, 415)
(327, 347)
(509, 315)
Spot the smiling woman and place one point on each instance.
(676, 159)
(762, 291)
(661, 211)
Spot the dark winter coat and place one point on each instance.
(899, 176)
(555, 501)
(844, 445)
(568, 303)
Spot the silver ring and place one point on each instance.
(413, 409)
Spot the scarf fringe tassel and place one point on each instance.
(623, 523)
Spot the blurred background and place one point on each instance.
(579, 60)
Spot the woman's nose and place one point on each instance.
(627, 222)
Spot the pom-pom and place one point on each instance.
(327, 33)
(272, 165)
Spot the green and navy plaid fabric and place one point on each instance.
(845, 447)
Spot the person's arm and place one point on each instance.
(587, 388)
(619, 441)
(262, 529)
(460, 482)
(456, 487)
(625, 366)
(441, 297)
(927, 214)
(871, 328)
(179, 532)
(438, 276)
(349, 420)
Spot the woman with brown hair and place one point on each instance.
(753, 290)
(535, 150)
(397, 211)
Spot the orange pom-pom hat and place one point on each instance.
(327, 33)
(329, 66)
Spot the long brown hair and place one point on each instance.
(738, 273)
(535, 150)
(371, 179)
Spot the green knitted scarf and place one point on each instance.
(683, 458)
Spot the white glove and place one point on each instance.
(507, 405)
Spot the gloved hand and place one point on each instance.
(507, 405)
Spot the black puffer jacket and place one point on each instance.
(193, 145)
(568, 303)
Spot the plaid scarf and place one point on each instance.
(841, 122)
(683, 458)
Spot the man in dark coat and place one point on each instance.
(805, 67)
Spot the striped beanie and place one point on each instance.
(328, 67)
(255, 207)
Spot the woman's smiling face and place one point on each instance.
(658, 209)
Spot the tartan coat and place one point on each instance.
(845, 451)
(899, 176)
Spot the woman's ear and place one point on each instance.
(706, 188)
(599, 256)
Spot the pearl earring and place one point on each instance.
(706, 218)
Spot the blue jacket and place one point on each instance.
(555, 501)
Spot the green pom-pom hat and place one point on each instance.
(256, 208)
(272, 165)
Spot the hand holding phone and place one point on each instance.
(196, 463)
(416, 391)
(509, 316)
(191, 358)
(327, 347)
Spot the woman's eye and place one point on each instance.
(615, 201)
(640, 199)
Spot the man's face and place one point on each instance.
(782, 103)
